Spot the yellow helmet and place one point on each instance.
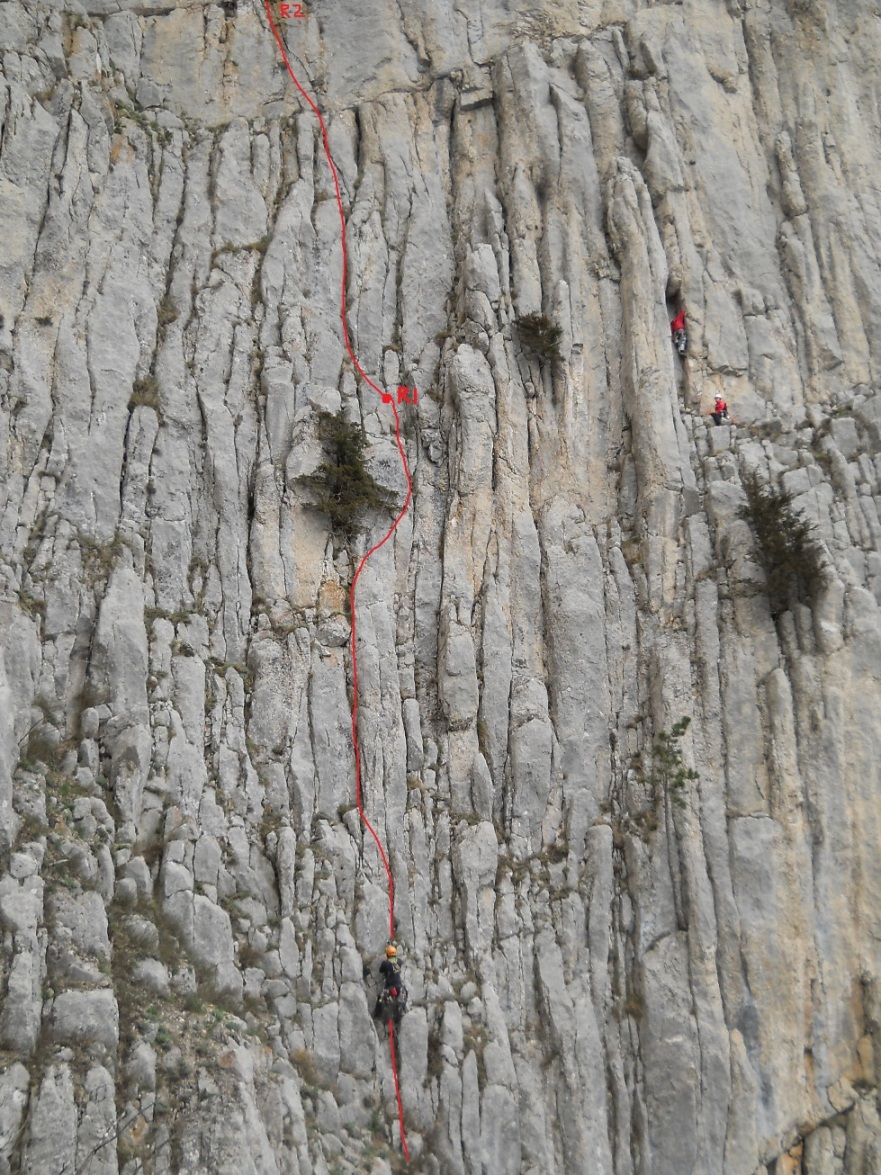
(391, 951)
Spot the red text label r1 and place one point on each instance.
(405, 395)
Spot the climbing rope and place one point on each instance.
(359, 798)
(386, 399)
(391, 1047)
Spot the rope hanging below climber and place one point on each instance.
(391, 1004)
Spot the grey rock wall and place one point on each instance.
(603, 978)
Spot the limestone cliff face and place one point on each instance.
(607, 975)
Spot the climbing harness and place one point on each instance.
(391, 1004)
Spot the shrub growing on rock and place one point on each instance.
(670, 776)
(539, 335)
(343, 487)
(790, 554)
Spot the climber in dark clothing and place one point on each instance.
(680, 336)
(392, 999)
(720, 410)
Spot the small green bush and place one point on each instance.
(342, 485)
(669, 773)
(540, 335)
(790, 554)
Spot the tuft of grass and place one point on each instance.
(163, 1038)
(539, 335)
(123, 111)
(30, 604)
(145, 394)
(555, 854)
(343, 488)
(790, 554)
(166, 312)
(648, 823)
(249, 956)
(633, 1006)
(309, 1070)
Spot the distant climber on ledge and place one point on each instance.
(720, 410)
(391, 1003)
(680, 336)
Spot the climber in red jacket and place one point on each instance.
(680, 337)
(720, 410)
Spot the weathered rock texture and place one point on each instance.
(603, 979)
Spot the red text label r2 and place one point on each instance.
(292, 10)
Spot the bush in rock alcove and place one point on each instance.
(539, 335)
(792, 558)
(343, 487)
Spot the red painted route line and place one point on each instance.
(386, 399)
(391, 1049)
